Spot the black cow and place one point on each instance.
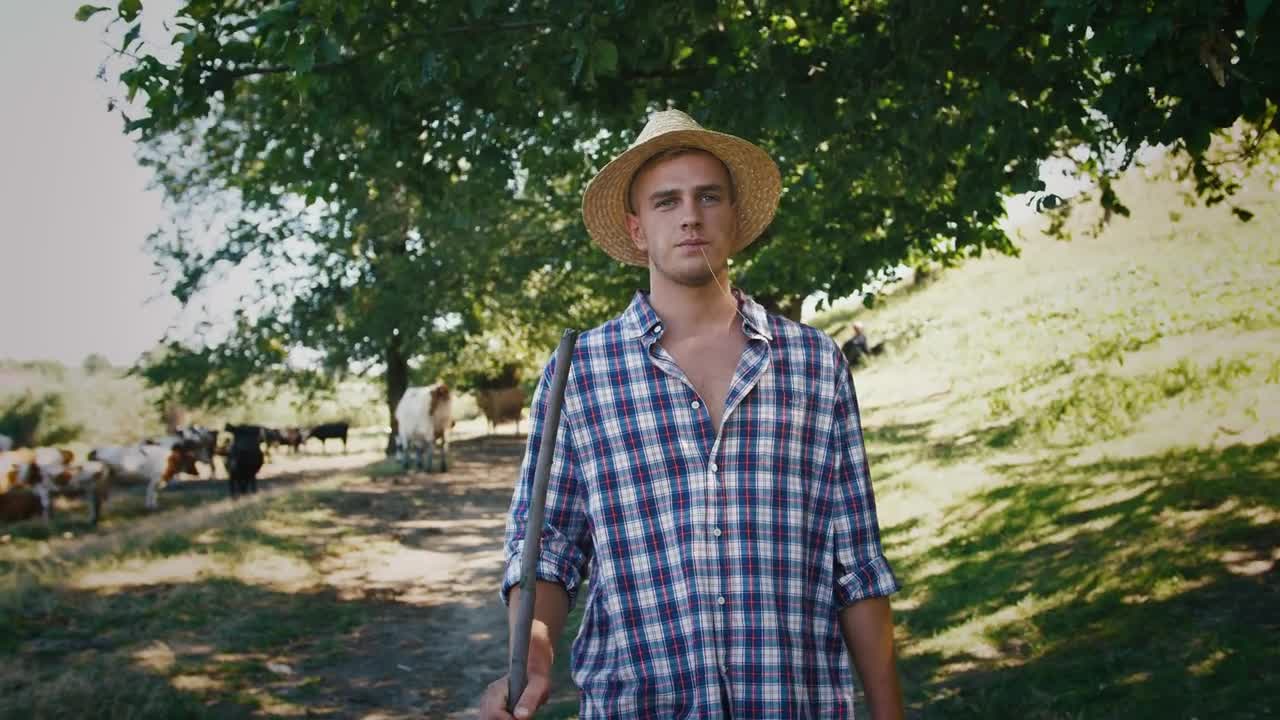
(244, 458)
(327, 431)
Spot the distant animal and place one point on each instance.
(31, 478)
(244, 458)
(202, 442)
(272, 436)
(424, 416)
(501, 405)
(154, 464)
(45, 472)
(18, 504)
(271, 439)
(293, 438)
(18, 499)
(90, 480)
(327, 431)
(6, 443)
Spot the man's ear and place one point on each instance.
(636, 232)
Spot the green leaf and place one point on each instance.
(130, 36)
(1256, 9)
(302, 58)
(606, 58)
(142, 124)
(129, 9)
(87, 11)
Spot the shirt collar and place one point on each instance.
(640, 319)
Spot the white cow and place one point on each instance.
(6, 443)
(424, 415)
(155, 465)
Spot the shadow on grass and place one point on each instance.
(1142, 585)
(220, 648)
(886, 443)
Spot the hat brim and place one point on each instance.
(756, 181)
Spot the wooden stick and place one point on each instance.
(518, 677)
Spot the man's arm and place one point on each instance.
(867, 626)
(550, 611)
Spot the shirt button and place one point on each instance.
(720, 600)
(695, 404)
(716, 532)
(724, 668)
(657, 328)
(715, 467)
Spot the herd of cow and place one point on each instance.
(30, 478)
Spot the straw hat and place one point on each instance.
(757, 183)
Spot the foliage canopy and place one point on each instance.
(415, 169)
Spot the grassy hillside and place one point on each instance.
(1075, 455)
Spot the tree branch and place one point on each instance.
(343, 62)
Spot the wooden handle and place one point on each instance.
(518, 676)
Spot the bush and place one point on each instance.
(38, 420)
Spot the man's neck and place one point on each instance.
(688, 311)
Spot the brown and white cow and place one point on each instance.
(44, 473)
(424, 416)
(153, 464)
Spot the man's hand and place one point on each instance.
(551, 607)
(493, 704)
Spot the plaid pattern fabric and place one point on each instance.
(717, 562)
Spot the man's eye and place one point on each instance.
(665, 202)
(710, 198)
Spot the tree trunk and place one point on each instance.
(397, 383)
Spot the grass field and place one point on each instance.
(1076, 456)
(1077, 460)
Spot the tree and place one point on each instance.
(95, 363)
(449, 144)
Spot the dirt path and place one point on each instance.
(366, 595)
(436, 634)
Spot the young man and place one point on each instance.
(709, 477)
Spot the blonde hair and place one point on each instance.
(668, 154)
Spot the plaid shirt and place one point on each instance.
(718, 562)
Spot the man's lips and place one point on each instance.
(697, 242)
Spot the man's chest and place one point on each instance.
(709, 365)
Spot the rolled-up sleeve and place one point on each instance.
(861, 569)
(566, 542)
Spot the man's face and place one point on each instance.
(683, 210)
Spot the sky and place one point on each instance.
(74, 205)
(75, 208)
